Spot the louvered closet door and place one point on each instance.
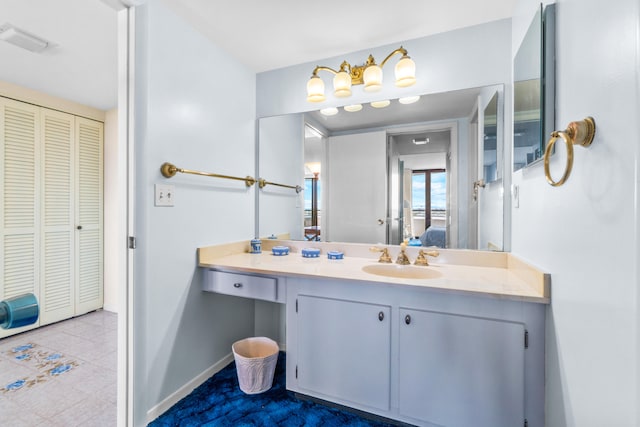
(57, 266)
(89, 268)
(19, 210)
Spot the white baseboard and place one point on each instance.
(184, 391)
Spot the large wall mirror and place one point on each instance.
(383, 175)
(534, 89)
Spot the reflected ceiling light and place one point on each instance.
(369, 74)
(409, 99)
(353, 108)
(330, 111)
(420, 141)
(380, 104)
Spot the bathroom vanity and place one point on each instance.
(463, 346)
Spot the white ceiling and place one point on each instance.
(264, 35)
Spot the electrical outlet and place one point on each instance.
(164, 195)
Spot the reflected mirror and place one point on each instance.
(533, 89)
(383, 175)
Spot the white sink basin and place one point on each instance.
(401, 271)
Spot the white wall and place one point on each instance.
(195, 107)
(585, 233)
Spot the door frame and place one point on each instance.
(452, 170)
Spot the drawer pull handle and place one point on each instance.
(237, 285)
(381, 316)
(407, 319)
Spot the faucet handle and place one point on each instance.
(422, 257)
(384, 257)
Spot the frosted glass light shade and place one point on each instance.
(342, 84)
(405, 72)
(372, 78)
(353, 108)
(315, 89)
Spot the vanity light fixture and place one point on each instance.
(380, 104)
(409, 99)
(369, 74)
(420, 141)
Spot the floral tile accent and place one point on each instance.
(47, 364)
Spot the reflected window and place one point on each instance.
(428, 198)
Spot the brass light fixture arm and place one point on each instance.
(357, 71)
(263, 183)
(577, 133)
(169, 170)
(401, 50)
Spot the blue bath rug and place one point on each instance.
(220, 402)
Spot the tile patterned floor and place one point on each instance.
(61, 375)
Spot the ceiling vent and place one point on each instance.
(22, 39)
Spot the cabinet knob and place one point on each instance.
(237, 285)
(79, 227)
(407, 319)
(381, 316)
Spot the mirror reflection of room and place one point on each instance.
(405, 172)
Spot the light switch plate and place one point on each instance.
(164, 195)
(516, 196)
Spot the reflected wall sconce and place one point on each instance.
(369, 74)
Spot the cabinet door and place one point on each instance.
(19, 207)
(89, 266)
(57, 273)
(460, 371)
(344, 350)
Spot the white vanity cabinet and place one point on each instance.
(420, 356)
(457, 370)
(344, 350)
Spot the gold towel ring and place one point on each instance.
(581, 133)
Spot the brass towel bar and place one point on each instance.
(169, 170)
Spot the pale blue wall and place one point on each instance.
(585, 233)
(195, 107)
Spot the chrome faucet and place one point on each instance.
(422, 257)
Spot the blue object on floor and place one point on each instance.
(220, 402)
(21, 310)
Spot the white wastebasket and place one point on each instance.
(256, 360)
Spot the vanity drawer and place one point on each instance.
(241, 285)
